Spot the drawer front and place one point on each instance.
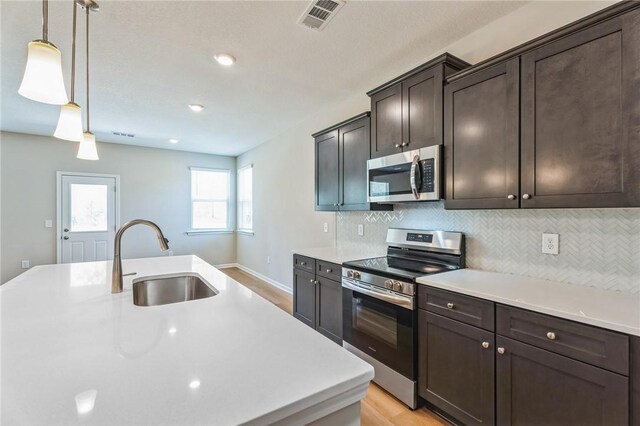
(592, 345)
(304, 263)
(466, 309)
(329, 270)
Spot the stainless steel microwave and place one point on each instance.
(407, 176)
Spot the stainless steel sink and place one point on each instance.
(165, 289)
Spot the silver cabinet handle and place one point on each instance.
(485, 345)
(412, 178)
(526, 196)
(450, 305)
(501, 351)
(551, 335)
(511, 197)
(397, 145)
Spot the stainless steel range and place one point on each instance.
(379, 303)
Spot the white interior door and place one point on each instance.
(87, 218)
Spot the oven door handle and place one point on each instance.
(412, 178)
(398, 300)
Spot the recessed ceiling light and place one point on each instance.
(173, 140)
(225, 59)
(196, 107)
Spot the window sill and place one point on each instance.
(208, 231)
(240, 231)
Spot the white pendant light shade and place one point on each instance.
(70, 123)
(87, 149)
(43, 81)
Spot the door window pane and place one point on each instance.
(88, 208)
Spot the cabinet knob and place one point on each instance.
(404, 144)
(526, 196)
(329, 271)
(551, 335)
(340, 204)
(501, 351)
(303, 263)
(450, 305)
(485, 345)
(311, 281)
(397, 145)
(511, 197)
(65, 237)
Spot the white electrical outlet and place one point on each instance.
(268, 259)
(25, 264)
(361, 230)
(170, 252)
(326, 227)
(550, 243)
(48, 223)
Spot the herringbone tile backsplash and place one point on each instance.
(598, 247)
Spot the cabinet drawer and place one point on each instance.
(304, 263)
(466, 309)
(329, 270)
(592, 345)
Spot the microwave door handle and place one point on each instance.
(412, 179)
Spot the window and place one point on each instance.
(209, 199)
(245, 199)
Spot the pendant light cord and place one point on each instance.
(73, 53)
(45, 20)
(88, 127)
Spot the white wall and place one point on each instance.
(154, 184)
(284, 217)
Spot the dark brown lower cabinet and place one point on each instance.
(456, 368)
(538, 387)
(635, 381)
(329, 308)
(317, 296)
(304, 297)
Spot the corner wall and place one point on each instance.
(155, 184)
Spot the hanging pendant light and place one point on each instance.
(42, 80)
(70, 121)
(87, 149)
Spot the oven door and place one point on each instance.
(408, 176)
(380, 328)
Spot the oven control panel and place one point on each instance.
(420, 238)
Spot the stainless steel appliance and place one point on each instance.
(407, 176)
(379, 303)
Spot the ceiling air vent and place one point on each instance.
(319, 13)
(126, 135)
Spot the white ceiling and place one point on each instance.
(150, 59)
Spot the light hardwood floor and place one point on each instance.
(379, 407)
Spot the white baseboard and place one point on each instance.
(249, 271)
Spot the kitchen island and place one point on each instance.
(73, 353)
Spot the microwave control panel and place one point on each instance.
(427, 167)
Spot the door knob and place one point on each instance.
(65, 237)
(511, 197)
(526, 196)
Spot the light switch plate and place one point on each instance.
(361, 230)
(550, 243)
(326, 227)
(48, 223)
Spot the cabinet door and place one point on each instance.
(386, 122)
(537, 387)
(422, 109)
(327, 171)
(580, 118)
(482, 139)
(456, 368)
(304, 297)
(354, 149)
(329, 309)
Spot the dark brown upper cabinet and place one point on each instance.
(342, 152)
(581, 118)
(571, 140)
(482, 139)
(406, 112)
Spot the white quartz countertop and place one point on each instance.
(73, 353)
(603, 308)
(338, 254)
